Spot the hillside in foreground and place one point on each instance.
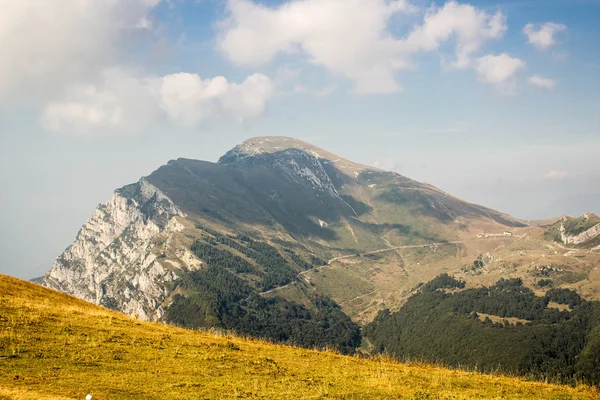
(53, 346)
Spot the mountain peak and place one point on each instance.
(255, 147)
(272, 144)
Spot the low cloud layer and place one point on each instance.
(122, 104)
(52, 43)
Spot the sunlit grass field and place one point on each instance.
(53, 346)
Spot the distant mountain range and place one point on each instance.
(280, 230)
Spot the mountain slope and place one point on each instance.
(53, 346)
(503, 327)
(580, 232)
(296, 224)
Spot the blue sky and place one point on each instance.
(462, 95)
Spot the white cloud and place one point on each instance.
(324, 92)
(387, 164)
(120, 104)
(541, 82)
(556, 175)
(348, 37)
(247, 99)
(542, 36)
(123, 104)
(352, 38)
(472, 28)
(188, 100)
(72, 57)
(499, 70)
(49, 44)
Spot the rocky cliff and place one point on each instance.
(582, 231)
(582, 237)
(111, 261)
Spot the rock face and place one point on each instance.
(580, 238)
(111, 261)
(298, 166)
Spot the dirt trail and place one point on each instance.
(318, 269)
(414, 246)
(356, 298)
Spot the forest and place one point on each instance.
(275, 270)
(217, 297)
(441, 324)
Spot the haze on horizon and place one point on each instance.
(495, 102)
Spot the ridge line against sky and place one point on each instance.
(496, 102)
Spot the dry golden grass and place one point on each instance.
(560, 307)
(55, 347)
(495, 318)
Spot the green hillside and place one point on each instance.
(503, 327)
(570, 226)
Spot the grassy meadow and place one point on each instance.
(56, 347)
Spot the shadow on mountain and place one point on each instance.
(253, 195)
(402, 230)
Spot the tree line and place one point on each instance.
(436, 325)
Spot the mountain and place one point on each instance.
(280, 230)
(54, 346)
(581, 232)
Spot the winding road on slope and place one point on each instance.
(318, 269)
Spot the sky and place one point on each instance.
(494, 102)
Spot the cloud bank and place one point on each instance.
(123, 104)
(52, 43)
(74, 59)
(354, 38)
